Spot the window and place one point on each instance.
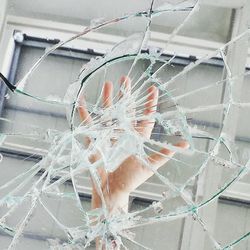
(35, 118)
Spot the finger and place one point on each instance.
(125, 86)
(159, 159)
(145, 127)
(84, 117)
(107, 94)
(125, 89)
(151, 104)
(83, 112)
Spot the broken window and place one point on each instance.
(154, 136)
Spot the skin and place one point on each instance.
(131, 173)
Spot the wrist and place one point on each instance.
(116, 202)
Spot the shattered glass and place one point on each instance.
(159, 132)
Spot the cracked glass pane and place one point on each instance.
(133, 148)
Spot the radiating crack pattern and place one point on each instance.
(145, 123)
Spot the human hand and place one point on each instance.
(131, 173)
